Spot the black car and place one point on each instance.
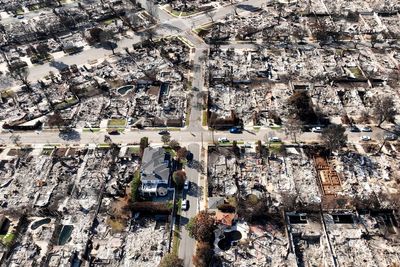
(113, 132)
(163, 132)
(355, 129)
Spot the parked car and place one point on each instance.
(390, 137)
(396, 129)
(247, 145)
(185, 204)
(316, 130)
(365, 138)
(223, 140)
(366, 129)
(163, 132)
(186, 185)
(354, 129)
(113, 132)
(235, 130)
(274, 139)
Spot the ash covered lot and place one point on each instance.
(65, 204)
(291, 205)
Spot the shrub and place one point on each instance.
(204, 254)
(201, 227)
(171, 260)
(179, 178)
(135, 186)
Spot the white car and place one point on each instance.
(186, 185)
(366, 129)
(185, 204)
(316, 130)
(223, 140)
(274, 139)
(365, 138)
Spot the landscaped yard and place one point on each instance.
(116, 123)
(7, 239)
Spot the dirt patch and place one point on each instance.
(120, 208)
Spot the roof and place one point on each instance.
(225, 218)
(214, 202)
(155, 165)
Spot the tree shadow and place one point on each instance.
(70, 135)
(184, 220)
(109, 45)
(197, 165)
(195, 191)
(58, 65)
(250, 8)
(250, 132)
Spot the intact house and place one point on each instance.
(155, 172)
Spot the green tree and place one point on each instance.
(135, 186)
(171, 260)
(144, 142)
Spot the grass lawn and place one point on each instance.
(95, 130)
(51, 146)
(33, 7)
(20, 11)
(275, 127)
(176, 240)
(7, 239)
(108, 22)
(276, 147)
(103, 145)
(187, 122)
(116, 123)
(134, 149)
(47, 151)
(230, 143)
(356, 72)
(66, 103)
(177, 231)
(116, 225)
(120, 130)
(204, 118)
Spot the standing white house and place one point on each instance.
(155, 172)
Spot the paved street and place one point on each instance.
(187, 244)
(184, 136)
